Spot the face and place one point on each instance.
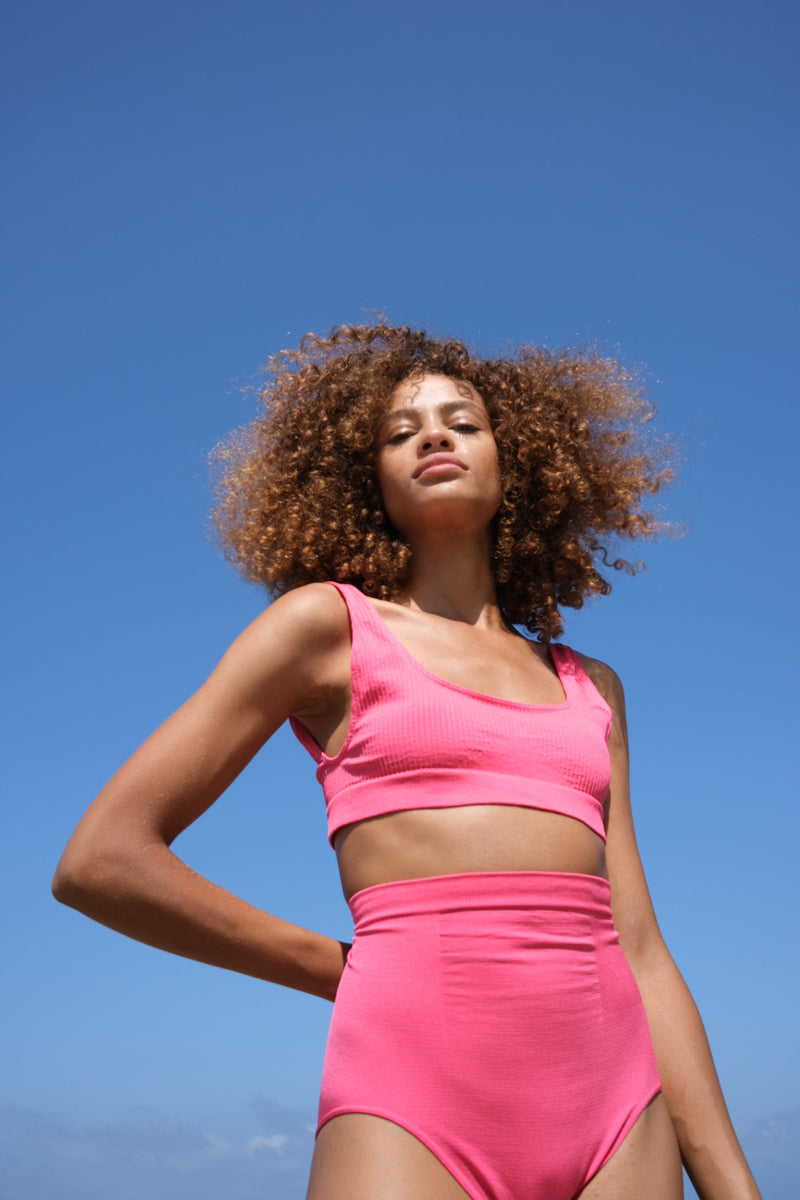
(437, 458)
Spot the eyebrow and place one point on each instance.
(446, 408)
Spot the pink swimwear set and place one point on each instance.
(492, 1015)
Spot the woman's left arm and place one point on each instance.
(709, 1147)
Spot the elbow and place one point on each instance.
(69, 882)
(89, 876)
(60, 884)
(75, 879)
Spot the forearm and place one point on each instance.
(709, 1147)
(153, 896)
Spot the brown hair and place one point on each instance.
(298, 498)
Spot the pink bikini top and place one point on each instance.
(418, 741)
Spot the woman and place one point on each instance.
(489, 1041)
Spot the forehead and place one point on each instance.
(422, 390)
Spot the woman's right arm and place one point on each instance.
(118, 867)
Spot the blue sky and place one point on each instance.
(193, 186)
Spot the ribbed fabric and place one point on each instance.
(493, 1016)
(418, 741)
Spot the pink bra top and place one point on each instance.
(418, 741)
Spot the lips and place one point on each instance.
(438, 460)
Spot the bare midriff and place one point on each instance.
(418, 843)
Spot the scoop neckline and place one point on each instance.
(458, 687)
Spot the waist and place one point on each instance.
(485, 895)
(480, 839)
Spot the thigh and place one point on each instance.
(362, 1157)
(646, 1164)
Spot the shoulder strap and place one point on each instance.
(352, 597)
(565, 659)
(367, 629)
(585, 685)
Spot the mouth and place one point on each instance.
(438, 464)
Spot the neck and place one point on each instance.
(452, 579)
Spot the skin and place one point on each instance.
(437, 468)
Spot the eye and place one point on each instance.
(465, 427)
(398, 437)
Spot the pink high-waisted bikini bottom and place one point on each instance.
(495, 1018)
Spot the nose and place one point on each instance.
(436, 437)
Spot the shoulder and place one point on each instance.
(301, 628)
(315, 612)
(609, 685)
(296, 651)
(604, 678)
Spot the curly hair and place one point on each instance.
(298, 499)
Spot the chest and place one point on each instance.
(494, 663)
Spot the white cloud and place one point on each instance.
(153, 1154)
(772, 1146)
(776, 1134)
(277, 1142)
(157, 1155)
